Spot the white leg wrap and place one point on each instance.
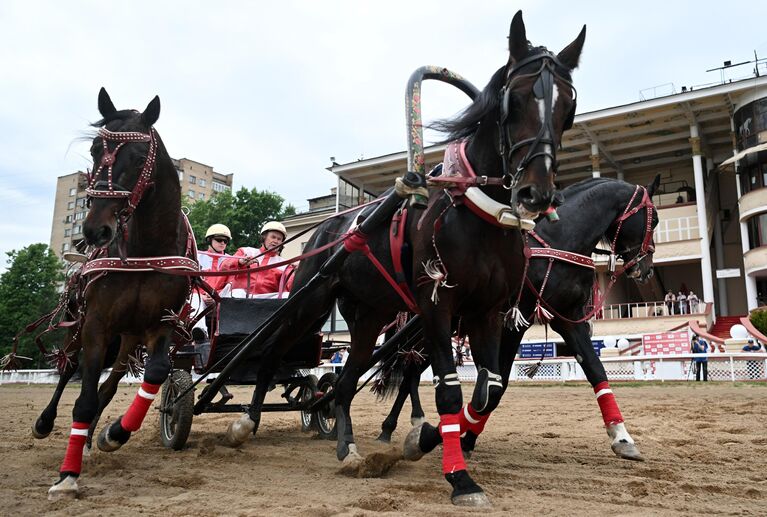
(64, 489)
(618, 433)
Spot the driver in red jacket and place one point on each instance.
(269, 283)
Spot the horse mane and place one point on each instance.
(466, 123)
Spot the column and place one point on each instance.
(595, 173)
(749, 280)
(721, 283)
(700, 201)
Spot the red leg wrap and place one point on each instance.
(132, 419)
(472, 421)
(452, 455)
(73, 459)
(610, 412)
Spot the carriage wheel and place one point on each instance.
(176, 420)
(306, 394)
(325, 417)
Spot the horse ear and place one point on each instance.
(653, 186)
(517, 38)
(106, 108)
(152, 112)
(571, 54)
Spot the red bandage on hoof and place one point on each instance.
(132, 419)
(73, 459)
(472, 421)
(610, 412)
(452, 455)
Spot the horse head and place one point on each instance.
(634, 241)
(123, 153)
(537, 105)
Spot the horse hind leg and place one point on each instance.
(390, 422)
(115, 435)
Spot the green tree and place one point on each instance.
(758, 319)
(244, 212)
(28, 289)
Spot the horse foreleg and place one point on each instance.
(449, 406)
(156, 371)
(84, 411)
(108, 388)
(417, 416)
(44, 423)
(577, 336)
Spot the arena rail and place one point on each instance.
(731, 367)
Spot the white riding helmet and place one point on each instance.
(218, 229)
(276, 227)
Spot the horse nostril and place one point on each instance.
(527, 195)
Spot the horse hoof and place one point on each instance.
(353, 458)
(105, 443)
(39, 434)
(411, 450)
(477, 500)
(384, 438)
(239, 430)
(64, 489)
(627, 451)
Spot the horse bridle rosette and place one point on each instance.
(109, 189)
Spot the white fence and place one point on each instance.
(731, 367)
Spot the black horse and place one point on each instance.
(135, 211)
(591, 213)
(463, 265)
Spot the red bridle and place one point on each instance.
(647, 246)
(105, 189)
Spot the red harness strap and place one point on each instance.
(396, 241)
(358, 241)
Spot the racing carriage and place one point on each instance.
(236, 319)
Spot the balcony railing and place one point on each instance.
(659, 309)
(677, 229)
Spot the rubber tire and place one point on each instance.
(325, 417)
(175, 427)
(307, 393)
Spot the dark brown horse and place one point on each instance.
(463, 265)
(135, 211)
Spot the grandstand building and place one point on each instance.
(709, 146)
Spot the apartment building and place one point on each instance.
(198, 181)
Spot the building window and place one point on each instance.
(192, 179)
(201, 195)
(757, 231)
(81, 202)
(72, 191)
(65, 247)
(67, 232)
(79, 216)
(190, 193)
(201, 182)
(77, 230)
(68, 219)
(70, 205)
(180, 175)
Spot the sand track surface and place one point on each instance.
(544, 451)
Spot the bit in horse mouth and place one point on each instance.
(525, 213)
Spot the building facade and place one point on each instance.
(198, 181)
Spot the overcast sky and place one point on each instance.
(271, 92)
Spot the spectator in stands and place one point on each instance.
(693, 301)
(345, 354)
(682, 299)
(753, 367)
(700, 346)
(337, 359)
(670, 300)
(679, 199)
